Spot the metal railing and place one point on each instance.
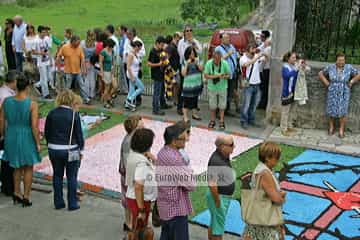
(326, 27)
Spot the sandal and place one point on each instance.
(107, 105)
(331, 131)
(211, 124)
(113, 96)
(221, 125)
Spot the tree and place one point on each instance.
(205, 10)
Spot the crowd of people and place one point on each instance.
(105, 65)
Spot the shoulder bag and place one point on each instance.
(246, 80)
(74, 155)
(258, 209)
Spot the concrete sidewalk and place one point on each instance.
(97, 219)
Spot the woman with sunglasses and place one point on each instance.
(187, 41)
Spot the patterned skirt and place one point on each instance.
(255, 232)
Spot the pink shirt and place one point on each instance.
(5, 92)
(173, 193)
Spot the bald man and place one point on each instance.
(221, 182)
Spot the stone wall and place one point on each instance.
(312, 115)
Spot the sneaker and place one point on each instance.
(38, 90)
(129, 103)
(159, 113)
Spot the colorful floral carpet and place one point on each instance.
(102, 154)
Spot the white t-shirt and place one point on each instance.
(135, 66)
(145, 171)
(255, 76)
(30, 43)
(116, 47)
(43, 45)
(128, 48)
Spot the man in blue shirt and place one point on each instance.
(17, 40)
(229, 54)
(123, 82)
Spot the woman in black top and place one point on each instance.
(10, 56)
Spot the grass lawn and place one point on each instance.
(244, 163)
(115, 119)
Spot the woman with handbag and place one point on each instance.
(192, 86)
(289, 77)
(262, 205)
(140, 181)
(65, 140)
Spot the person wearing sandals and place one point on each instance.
(136, 87)
(64, 135)
(19, 126)
(192, 86)
(106, 60)
(217, 72)
(339, 79)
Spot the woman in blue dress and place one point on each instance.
(338, 78)
(19, 123)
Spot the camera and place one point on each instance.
(216, 80)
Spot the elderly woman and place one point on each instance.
(65, 140)
(338, 78)
(19, 126)
(269, 155)
(140, 177)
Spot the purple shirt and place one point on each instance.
(5, 92)
(173, 193)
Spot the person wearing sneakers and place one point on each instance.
(44, 62)
(136, 87)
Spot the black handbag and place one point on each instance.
(287, 100)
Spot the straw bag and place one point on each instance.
(258, 209)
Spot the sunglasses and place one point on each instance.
(188, 30)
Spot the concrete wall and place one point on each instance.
(311, 115)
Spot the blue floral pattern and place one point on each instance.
(338, 96)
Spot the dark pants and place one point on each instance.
(176, 228)
(180, 97)
(19, 57)
(232, 86)
(264, 87)
(6, 178)
(158, 96)
(59, 162)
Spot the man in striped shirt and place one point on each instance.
(175, 182)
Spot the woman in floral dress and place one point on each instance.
(338, 78)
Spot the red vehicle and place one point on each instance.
(240, 38)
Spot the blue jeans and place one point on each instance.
(19, 58)
(176, 228)
(135, 89)
(158, 96)
(79, 81)
(59, 162)
(252, 96)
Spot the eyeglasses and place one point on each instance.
(188, 30)
(230, 145)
